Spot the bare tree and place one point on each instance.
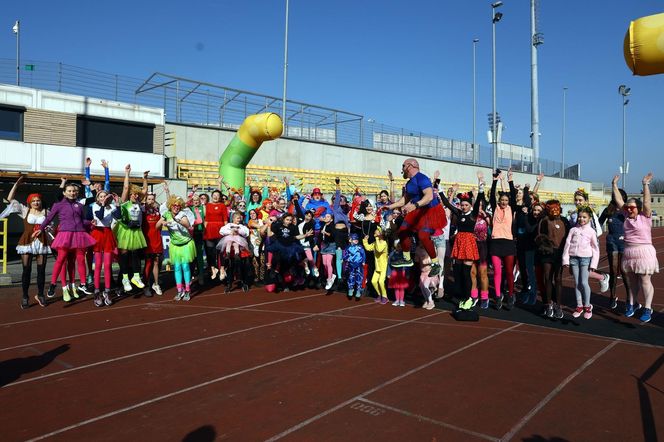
(657, 186)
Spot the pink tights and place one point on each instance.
(399, 294)
(498, 271)
(105, 260)
(67, 256)
(327, 262)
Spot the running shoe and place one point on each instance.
(510, 302)
(84, 289)
(435, 270)
(178, 296)
(147, 292)
(330, 282)
(474, 303)
(73, 291)
(186, 296)
(484, 304)
(630, 309)
(157, 289)
(136, 280)
(66, 297)
(577, 312)
(557, 312)
(403, 262)
(25, 303)
(245, 288)
(499, 302)
(549, 311)
(396, 303)
(588, 312)
(126, 285)
(402, 303)
(98, 302)
(646, 315)
(51, 291)
(383, 300)
(306, 270)
(604, 283)
(429, 305)
(316, 273)
(107, 297)
(614, 303)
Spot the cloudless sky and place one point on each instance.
(403, 63)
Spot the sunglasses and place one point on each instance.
(631, 208)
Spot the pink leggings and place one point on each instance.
(498, 271)
(327, 262)
(105, 260)
(310, 257)
(65, 255)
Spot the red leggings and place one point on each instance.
(503, 265)
(424, 239)
(105, 260)
(67, 256)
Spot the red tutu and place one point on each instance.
(398, 279)
(465, 247)
(72, 240)
(105, 239)
(428, 219)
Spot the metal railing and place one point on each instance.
(187, 101)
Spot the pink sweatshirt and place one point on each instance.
(582, 242)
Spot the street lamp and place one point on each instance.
(562, 156)
(475, 41)
(624, 91)
(283, 100)
(495, 18)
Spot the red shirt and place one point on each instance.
(216, 215)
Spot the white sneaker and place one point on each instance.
(126, 285)
(330, 282)
(306, 270)
(316, 274)
(396, 303)
(157, 289)
(136, 280)
(402, 303)
(604, 283)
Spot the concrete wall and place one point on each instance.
(207, 144)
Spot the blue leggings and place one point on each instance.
(340, 262)
(355, 277)
(182, 273)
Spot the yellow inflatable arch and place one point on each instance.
(644, 45)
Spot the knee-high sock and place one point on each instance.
(26, 275)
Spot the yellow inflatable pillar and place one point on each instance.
(644, 45)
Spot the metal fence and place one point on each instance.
(199, 103)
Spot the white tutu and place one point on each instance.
(34, 248)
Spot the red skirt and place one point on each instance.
(105, 239)
(398, 279)
(212, 230)
(428, 219)
(465, 247)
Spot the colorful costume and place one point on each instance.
(354, 259)
(379, 249)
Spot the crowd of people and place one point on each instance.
(428, 241)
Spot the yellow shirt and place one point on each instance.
(380, 253)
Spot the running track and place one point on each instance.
(306, 366)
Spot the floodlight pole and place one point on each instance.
(475, 156)
(562, 156)
(495, 17)
(624, 91)
(17, 31)
(283, 100)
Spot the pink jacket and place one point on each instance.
(582, 242)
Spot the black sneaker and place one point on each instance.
(51, 291)
(25, 303)
(98, 301)
(499, 302)
(549, 311)
(614, 303)
(84, 289)
(402, 263)
(557, 312)
(245, 288)
(435, 270)
(510, 302)
(107, 297)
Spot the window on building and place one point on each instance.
(11, 123)
(114, 134)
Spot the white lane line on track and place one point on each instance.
(524, 420)
(225, 377)
(176, 318)
(171, 346)
(428, 419)
(384, 384)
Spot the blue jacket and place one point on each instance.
(354, 255)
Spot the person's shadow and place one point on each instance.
(11, 370)
(206, 433)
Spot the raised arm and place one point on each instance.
(492, 195)
(12, 193)
(539, 179)
(107, 176)
(510, 182)
(617, 197)
(647, 210)
(446, 202)
(125, 185)
(391, 178)
(88, 192)
(145, 183)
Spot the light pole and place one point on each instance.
(562, 148)
(624, 91)
(16, 29)
(475, 41)
(283, 100)
(495, 18)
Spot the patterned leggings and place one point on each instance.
(355, 277)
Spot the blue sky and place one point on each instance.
(402, 63)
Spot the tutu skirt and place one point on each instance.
(72, 240)
(105, 239)
(230, 239)
(398, 279)
(640, 259)
(465, 247)
(184, 254)
(428, 219)
(293, 252)
(129, 239)
(36, 247)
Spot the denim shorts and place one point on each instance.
(578, 261)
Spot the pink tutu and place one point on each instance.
(239, 239)
(398, 279)
(640, 259)
(72, 240)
